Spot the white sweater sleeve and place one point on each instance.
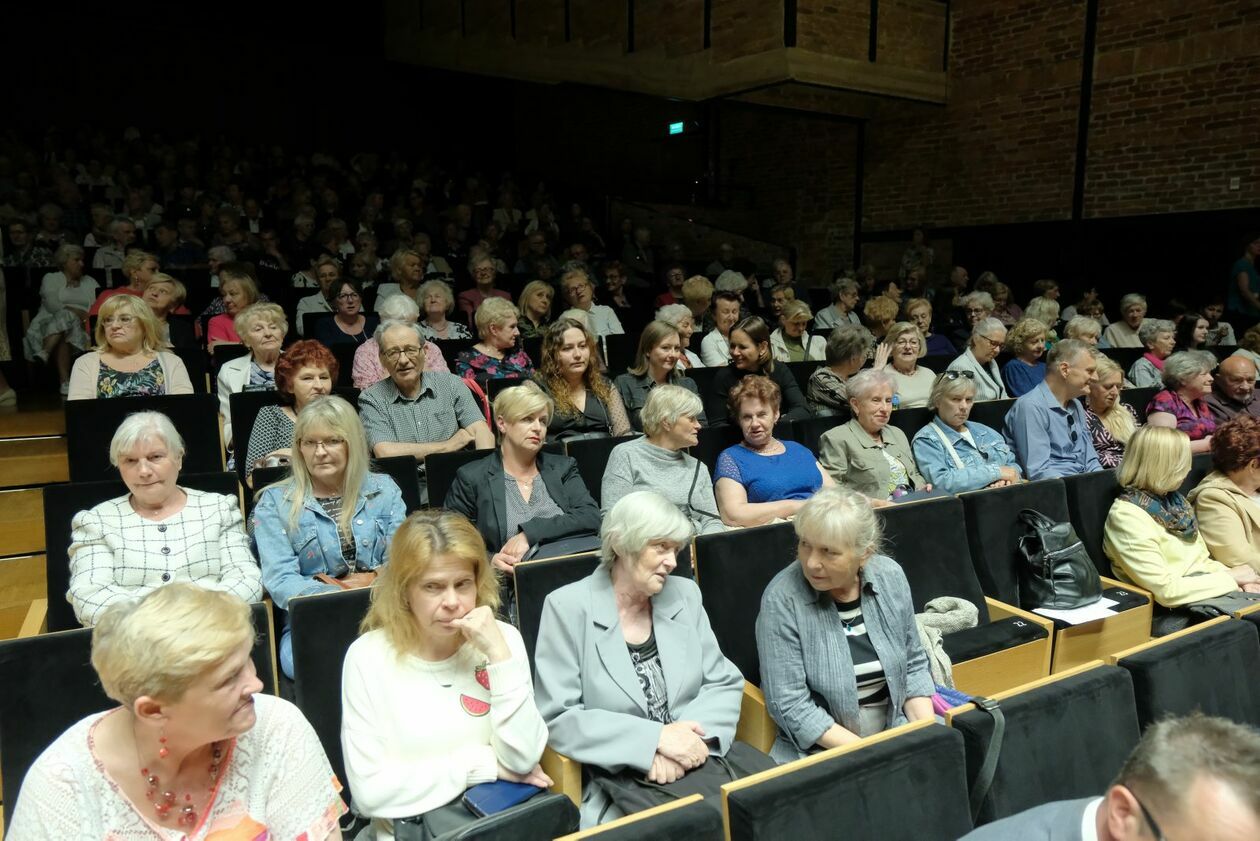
(519, 732)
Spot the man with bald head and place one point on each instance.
(1234, 390)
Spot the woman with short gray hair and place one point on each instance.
(158, 532)
(1158, 337)
(956, 454)
(671, 423)
(847, 348)
(1187, 379)
(840, 652)
(65, 297)
(843, 306)
(987, 338)
(679, 315)
(367, 369)
(1124, 332)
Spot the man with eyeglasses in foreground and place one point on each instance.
(987, 337)
(1046, 427)
(1189, 778)
(414, 413)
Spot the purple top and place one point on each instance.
(1196, 421)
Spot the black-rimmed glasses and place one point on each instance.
(1150, 819)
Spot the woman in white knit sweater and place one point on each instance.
(436, 694)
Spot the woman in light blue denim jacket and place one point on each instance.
(956, 454)
(305, 526)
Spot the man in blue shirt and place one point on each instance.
(1046, 427)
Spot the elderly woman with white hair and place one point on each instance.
(481, 269)
(327, 526)
(790, 342)
(1187, 380)
(56, 330)
(128, 360)
(158, 532)
(679, 315)
(194, 750)
(1124, 333)
(1086, 329)
(956, 454)
(840, 652)
(975, 307)
(629, 674)
(912, 381)
(979, 359)
(671, 423)
(436, 302)
(367, 368)
(498, 354)
(1158, 336)
(867, 454)
(262, 328)
(843, 306)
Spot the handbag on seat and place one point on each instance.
(1057, 571)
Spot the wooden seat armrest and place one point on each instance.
(756, 728)
(1002, 610)
(1124, 585)
(566, 775)
(36, 619)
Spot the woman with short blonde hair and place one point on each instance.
(881, 314)
(1084, 328)
(535, 306)
(238, 290)
(1026, 370)
(497, 354)
(262, 328)
(436, 693)
(912, 381)
(127, 361)
(790, 341)
(1111, 421)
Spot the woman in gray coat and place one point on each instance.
(628, 672)
(840, 653)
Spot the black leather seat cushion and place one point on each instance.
(996, 636)
(693, 822)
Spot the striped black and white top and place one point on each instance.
(872, 688)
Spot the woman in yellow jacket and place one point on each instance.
(1152, 536)
(1225, 501)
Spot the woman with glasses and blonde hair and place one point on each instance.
(587, 405)
(127, 360)
(956, 454)
(328, 525)
(436, 694)
(790, 342)
(656, 364)
(1111, 421)
(912, 381)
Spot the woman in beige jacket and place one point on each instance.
(1225, 501)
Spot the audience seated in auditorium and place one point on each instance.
(416, 412)
(1084, 328)
(715, 347)
(1233, 390)
(519, 496)
(25, 252)
(587, 405)
(840, 652)
(1046, 427)
(698, 297)
(122, 233)
(826, 393)
(867, 454)
(535, 306)
(166, 295)
(750, 354)
(1250, 347)
(579, 292)
(158, 532)
(919, 312)
(680, 318)
(305, 371)
(328, 273)
(436, 694)
(1180, 765)
(238, 290)
(484, 274)
(328, 525)
(664, 702)
(656, 362)
(498, 354)
(1111, 421)
(262, 328)
(127, 360)
(762, 478)
(956, 454)
(912, 382)
(842, 309)
(1158, 336)
(1152, 535)
(1225, 501)
(349, 325)
(987, 338)
(1026, 369)
(1045, 310)
(138, 268)
(671, 423)
(1124, 333)
(406, 274)
(195, 748)
(790, 342)
(1089, 304)
(1187, 381)
(57, 330)
(367, 369)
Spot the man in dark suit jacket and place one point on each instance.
(1193, 778)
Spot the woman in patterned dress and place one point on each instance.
(497, 355)
(127, 361)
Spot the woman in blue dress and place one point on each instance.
(762, 478)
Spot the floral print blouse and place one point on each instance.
(1195, 420)
(473, 362)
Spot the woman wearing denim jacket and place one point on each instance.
(956, 454)
(305, 527)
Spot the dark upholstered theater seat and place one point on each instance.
(1200, 466)
(47, 684)
(1089, 498)
(907, 784)
(991, 413)
(689, 819)
(1211, 668)
(1138, 398)
(440, 470)
(712, 440)
(1066, 737)
(1008, 647)
(91, 424)
(591, 455)
(911, 421)
(62, 502)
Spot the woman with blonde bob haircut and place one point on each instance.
(127, 360)
(912, 381)
(790, 342)
(328, 525)
(497, 354)
(436, 693)
(194, 749)
(166, 295)
(262, 328)
(1111, 421)
(1152, 535)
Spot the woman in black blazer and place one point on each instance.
(520, 496)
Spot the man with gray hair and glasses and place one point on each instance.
(1195, 778)
(1046, 426)
(987, 337)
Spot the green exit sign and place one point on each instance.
(675, 128)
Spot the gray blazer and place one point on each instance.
(988, 378)
(806, 670)
(1060, 821)
(854, 460)
(587, 690)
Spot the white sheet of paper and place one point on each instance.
(1100, 609)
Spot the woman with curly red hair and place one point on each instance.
(1225, 501)
(305, 371)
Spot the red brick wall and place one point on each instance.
(911, 34)
(745, 27)
(597, 22)
(674, 26)
(835, 27)
(1174, 113)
